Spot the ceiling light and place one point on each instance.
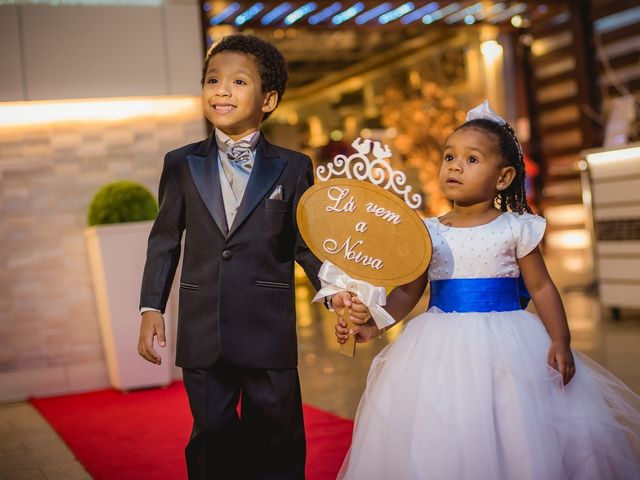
(373, 13)
(348, 13)
(249, 14)
(297, 14)
(322, 15)
(490, 50)
(396, 13)
(419, 13)
(276, 13)
(438, 14)
(516, 21)
(224, 14)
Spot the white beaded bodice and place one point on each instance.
(486, 251)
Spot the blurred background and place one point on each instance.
(97, 91)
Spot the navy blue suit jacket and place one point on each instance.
(237, 296)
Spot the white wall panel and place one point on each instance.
(618, 191)
(85, 52)
(184, 48)
(612, 168)
(619, 269)
(11, 81)
(619, 248)
(620, 295)
(616, 212)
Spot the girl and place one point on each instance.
(476, 388)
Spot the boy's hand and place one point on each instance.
(363, 326)
(359, 311)
(560, 359)
(363, 332)
(152, 324)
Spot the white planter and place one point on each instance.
(117, 254)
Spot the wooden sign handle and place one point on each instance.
(348, 348)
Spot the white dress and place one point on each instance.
(470, 396)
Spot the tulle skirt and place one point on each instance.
(470, 396)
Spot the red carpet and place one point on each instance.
(142, 435)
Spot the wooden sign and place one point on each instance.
(365, 230)
(361, 226)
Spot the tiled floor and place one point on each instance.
(29, 449)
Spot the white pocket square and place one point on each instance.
(276, 194)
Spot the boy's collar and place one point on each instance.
(211, 142)
(224, 141)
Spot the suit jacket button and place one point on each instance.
(227, 254)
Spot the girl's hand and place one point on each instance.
(359, 311)
(363, 333)
(560, 359)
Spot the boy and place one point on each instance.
(236, 195)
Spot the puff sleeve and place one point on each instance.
(528, 231)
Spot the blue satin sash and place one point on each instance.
(479, 294)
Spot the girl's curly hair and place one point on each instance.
(504, 138)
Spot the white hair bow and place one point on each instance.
(484, 111)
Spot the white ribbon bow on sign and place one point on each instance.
(334, 280)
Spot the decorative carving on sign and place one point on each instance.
(378, 171)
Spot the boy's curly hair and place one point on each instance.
(269, 61)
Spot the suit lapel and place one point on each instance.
(267, 169)
(204, 171)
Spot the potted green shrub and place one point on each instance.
(122, 202)
(120, 218)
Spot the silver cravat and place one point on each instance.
(237, 165)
